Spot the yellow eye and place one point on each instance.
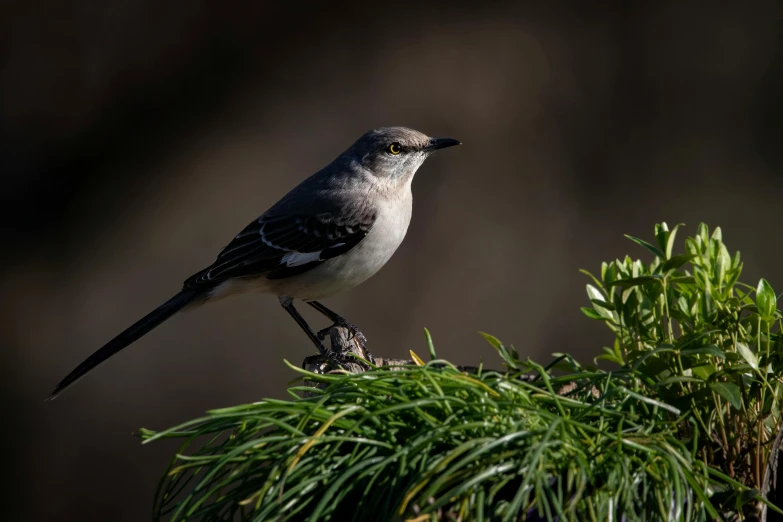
(395, 148)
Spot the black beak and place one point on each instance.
(441, 143)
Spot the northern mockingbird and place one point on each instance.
(330, 233)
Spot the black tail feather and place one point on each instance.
(139, 329)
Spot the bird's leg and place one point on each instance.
(288, 305)
(338, 320)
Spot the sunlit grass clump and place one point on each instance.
(681, 429)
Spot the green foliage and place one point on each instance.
(431, 441)
(680, 430)
(695, 337)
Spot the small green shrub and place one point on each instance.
(698, 339)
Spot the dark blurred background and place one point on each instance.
(138, 138)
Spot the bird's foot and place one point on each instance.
(361, 340)
(354, 334)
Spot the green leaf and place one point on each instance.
(612, 355)
(608, 272)
(703, 234)
(645, 244)
(677, 378)
(651, 353)
(646, 311)
(638, 267)
(670, 241)
(603, 304)
(709, 302)
(743, 297)
(430, 346)
(705, 350)
(704, 371)
(662, 234)
(607, 357)
(723, 262)
(636, 281)
(748, 355)
(592, 313)
(596, 295)
(683, 280)
(591, 276)
(649, 400)
(509, 355)
(735, 261)
(766, 300)
(676, 262)
(729, 391)
(682, 304)
(627, 293)
(492, 340)
(733, 275)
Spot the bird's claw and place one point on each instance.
(354, 333)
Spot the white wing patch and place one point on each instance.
(300, 258)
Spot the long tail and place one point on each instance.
(140, 328)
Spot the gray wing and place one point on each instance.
(282, 244)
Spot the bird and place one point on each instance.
(328, 234)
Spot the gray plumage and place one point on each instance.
(332, 232)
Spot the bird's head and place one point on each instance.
(395, 153)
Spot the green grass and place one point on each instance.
(679, 429)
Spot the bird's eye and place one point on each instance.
(395, 148)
